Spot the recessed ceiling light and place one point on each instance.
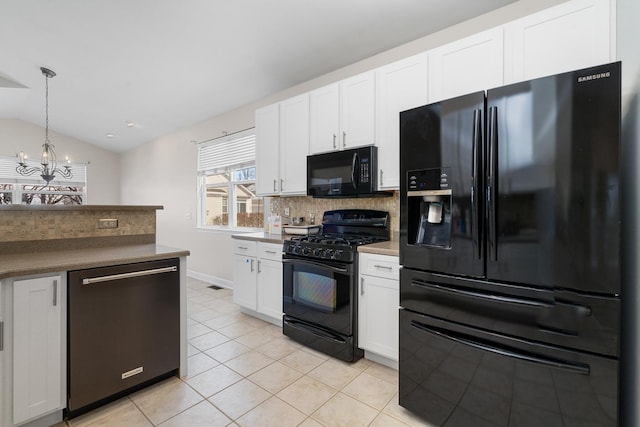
(130, 123)
(109, 135)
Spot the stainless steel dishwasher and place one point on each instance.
(124, 330)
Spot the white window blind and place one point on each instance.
(8, 173)
(228, 152)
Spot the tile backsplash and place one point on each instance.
(41, 224)
(303, 206)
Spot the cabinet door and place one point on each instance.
(324, 119)
(467, 65)
(267, 150)
(378, 316)
(244, 281)
(270, 288)
(357, 111)
(294, 144)
(37, 347)
(400, 86)
(573, 35)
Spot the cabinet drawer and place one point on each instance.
(270, 251)
(379, 265)
(244, 247)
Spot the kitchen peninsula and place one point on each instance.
(39, 246)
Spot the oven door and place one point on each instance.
(320, 293)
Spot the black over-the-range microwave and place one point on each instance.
(346, 173)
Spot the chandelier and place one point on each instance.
(48, 161)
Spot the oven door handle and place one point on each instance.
(316, 264)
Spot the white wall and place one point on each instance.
(163, 171)
(103, 168)
(628, 14)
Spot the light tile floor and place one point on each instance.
(244, 372)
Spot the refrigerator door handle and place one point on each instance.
(492, 178)
(471, 294)
(508, 352)
(475, 184)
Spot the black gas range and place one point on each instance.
(320, 276)
(342, 232)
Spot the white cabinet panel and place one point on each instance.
(37, 347)
(294, 144)
(257, 277)
(342, 114)
(379, 298)
(267, 150)
(324, 118)
(270, 288)
(400, 86)
(357, 110)
(570, 36)
(282, 145)
(467, 65)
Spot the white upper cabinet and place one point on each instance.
(570, 36)
(342, 114)
(282, 145)
(324, 118)
(400, 86)
(357, 110)
(294, 144)
(267, 150)
(467, 65)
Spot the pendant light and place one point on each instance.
(48, 168)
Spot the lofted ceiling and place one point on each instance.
(165, 65)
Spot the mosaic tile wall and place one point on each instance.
(47, 225)
(303, 206)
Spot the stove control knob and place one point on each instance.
(329, 254)
(337, 254)
(296, 249)
(318, 252)
(306, 251)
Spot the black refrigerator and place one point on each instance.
(510, 254)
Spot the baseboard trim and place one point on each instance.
(223, 283)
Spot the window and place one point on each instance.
(31, 190)
(226, 183)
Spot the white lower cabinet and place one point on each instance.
(379, 299)
(257, 277)
(33, 351)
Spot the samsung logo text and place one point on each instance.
(594, 77)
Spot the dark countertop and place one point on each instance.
(25, 264)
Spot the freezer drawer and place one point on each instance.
(124, 329)
(453, 375)
(557, 317)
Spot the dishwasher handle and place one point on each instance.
(92, 280)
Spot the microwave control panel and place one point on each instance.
(364, 170)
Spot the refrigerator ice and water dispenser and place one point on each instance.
(429, 203)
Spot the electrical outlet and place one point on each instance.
(108, 223)
(286, 211)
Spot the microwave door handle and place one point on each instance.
(354, 170)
